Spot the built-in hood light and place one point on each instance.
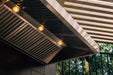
(16, 8)
(60, 42)
(41, 28)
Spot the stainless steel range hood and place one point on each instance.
(20, 30)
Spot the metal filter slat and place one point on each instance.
(3, 12)
(10, 36)
(1, 8)
(17, 35)
(15, 40)
(41, 52)
(4, 17)
(31, 41)
(23, 36)
(6, 27)
(39, 46)
(25, 39)
(12, 27)
(6, 22)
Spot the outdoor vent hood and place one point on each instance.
(20, 30)
(26, 34)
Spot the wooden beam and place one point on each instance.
(60, 34)
(88, 12)
(103, 37)
(61, 13)
(75, 4)
(89, 23)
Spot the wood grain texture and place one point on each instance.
(95, 17)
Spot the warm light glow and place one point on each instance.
(60, 42)
(7, 0)
(41, 28)
(16, 8)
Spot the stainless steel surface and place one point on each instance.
(15, 29)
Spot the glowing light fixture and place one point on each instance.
(16, 8)
(60, 42)
(41, 28)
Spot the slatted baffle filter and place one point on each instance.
(17, 31)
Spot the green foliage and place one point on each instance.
(100, 63)
(106, 48)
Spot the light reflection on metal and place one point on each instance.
(7, 0)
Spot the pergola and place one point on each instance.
(95, 16)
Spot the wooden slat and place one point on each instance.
(97, 28)
(107, 0)
(99, 33)
(94, 2)
(74, 4)
(88, 12)
(102, 40)
(92, 18)
(101, 37)
(95, 24)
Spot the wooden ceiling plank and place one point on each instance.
(92, 18)
(88, 12)
(94, 2)
(71, 4)
(103, 40)
(97, 28)
(99, 33)
(89, 23)
(101, 37)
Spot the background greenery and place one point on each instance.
(100, 64)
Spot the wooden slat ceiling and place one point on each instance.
(96, 17)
